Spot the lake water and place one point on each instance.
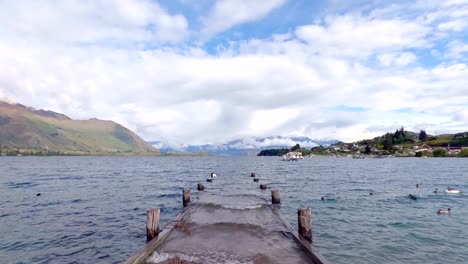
(93, 209)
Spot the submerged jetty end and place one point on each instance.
(275, 197)
(152, 224)
(200, 187)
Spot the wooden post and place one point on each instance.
(186, 197)
(152, 224)
(304, 221)
(200, 187)
(252, 174)
(263, 186)
(209, 180)
(256, 179)
(275, 197)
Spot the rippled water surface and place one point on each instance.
(93, 209)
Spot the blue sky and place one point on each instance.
(206, 71)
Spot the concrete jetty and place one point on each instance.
(227, 228)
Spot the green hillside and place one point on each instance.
(413, 139)
(28, 130)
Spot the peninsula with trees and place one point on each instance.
(400, 143)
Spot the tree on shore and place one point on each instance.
(440, 153)
(368, 149)
(388, 142)
(296, 147)
(423, 136)
(273, 152)
(463, 153)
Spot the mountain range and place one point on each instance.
(25, 130)
(28, 130)
(244, 146)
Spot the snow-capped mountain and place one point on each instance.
(245, 146)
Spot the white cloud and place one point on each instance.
(392, 59)
(267, 121)
(286, 84)
(99, 21)
(454, 25)
(254, 143)
(229, 13)
(361, 37)
(461, 116)
(456, 49)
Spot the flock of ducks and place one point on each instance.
(449, 190)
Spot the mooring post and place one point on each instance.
(263, 186)
(186, 197)
(152, 224)
(200, 187)
(252, 174)
(304, 221)
(275, 197)
(256, 179)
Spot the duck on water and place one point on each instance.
(444, 211)
(452, 190)
(330, 199)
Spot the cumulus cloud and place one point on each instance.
(358, 36)
(454, 25)
(90, 22)
(135, 63)
(255, 143)
(461, 116)
(228, 13)
(390, 59)
(456, 49)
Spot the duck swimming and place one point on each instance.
(436, 191)
(412, 196)
(452, 190)
(332, 199)
(444, 211)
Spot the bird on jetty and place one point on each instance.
(213, 175)
(444, 211)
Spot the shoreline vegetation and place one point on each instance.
(401, 143)
(12, 152)
(34, 152)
